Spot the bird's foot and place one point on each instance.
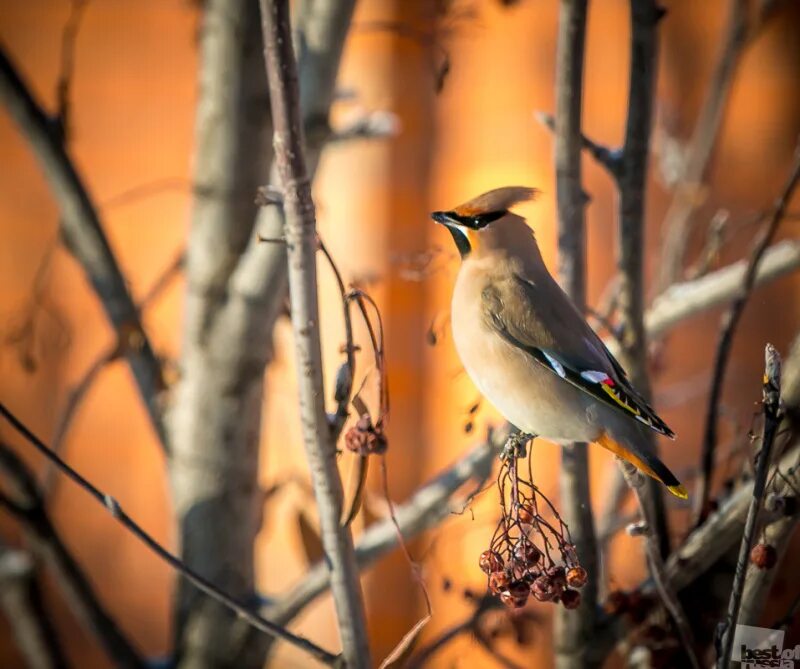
(516, 445)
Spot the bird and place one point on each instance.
(529, 350)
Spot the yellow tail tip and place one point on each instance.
(678, 491)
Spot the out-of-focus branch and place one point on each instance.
(26, 505)
(574, 629)
(698, 155)
(428, 507)
(301, 243)
(727, 331)
(33, 514)
(84, 236)
(645, 15)
(772, 417)
(655, 562)
(683, 300)
(21, 601)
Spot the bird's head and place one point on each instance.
(469, 222)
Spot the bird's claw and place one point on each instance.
(516, 446)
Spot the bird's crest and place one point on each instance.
(497, 200)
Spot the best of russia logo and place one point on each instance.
(762, 648)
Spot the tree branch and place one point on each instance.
(644, 15)
(727, 331)
(27, 484)
(28, 507)
(574, 629)
(772, 416)
(428, 507)
(84, 236)
(301, 242)
(21, 600)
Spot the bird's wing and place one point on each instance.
(539, 319)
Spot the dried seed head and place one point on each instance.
(544, 589)
(490, 561)
(498, 580)
(571, 599)
(764, 556)
(577, 577)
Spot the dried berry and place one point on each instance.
(558, 576)
(527, 553)
(355, 440)
(764, 556)
(577, 577)
(525, 514)
(512, 601)
(498, 580)
(490, 561)
(544, 589)
(571, 599)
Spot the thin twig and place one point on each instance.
(84, 236)
(28, 507)
(117, 512)
(772, 417)
(69, 38)
(301, 243)
(611, 159)
(573, 628)
(655, 562)
(727, 331)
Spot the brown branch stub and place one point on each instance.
(771, 400)
(300, 228)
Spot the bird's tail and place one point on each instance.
(646, 462)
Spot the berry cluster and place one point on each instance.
(529, 555)
(365, 438)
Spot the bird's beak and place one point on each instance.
(442, 217)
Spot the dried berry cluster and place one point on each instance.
(528, 555)
(365, 438)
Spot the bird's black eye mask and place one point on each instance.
(477, 221)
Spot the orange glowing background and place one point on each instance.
(131, 126)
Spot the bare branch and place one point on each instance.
(727, 331)
(611, 159)
(13, 468)
(573, 628)
(301, 243)
(683, 300)
(27, 506)
(428, 507)
(645, 15)
(21, 600)
(84, 236)
(772, 417)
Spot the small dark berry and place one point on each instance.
(490, 561)
(577, 577)
(571, 599)
(764, 556)
(558, 576)
(525, 514)
(527, 553)
(498, 580)
(544, 589)
(512, 601)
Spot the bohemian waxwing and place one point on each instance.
(528, 349)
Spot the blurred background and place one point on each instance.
(460, 83)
